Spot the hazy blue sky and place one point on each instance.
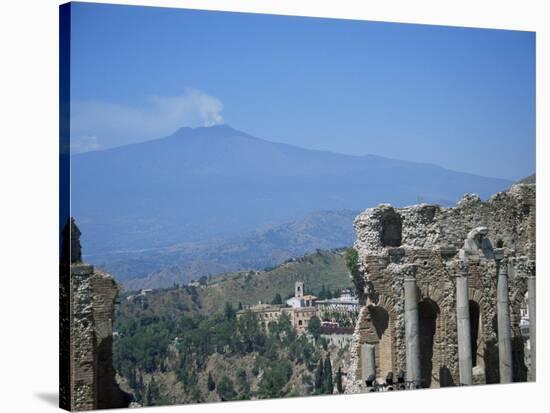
(461, 98)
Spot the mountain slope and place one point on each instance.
(180, 263)
(217, 182)
(246, 287)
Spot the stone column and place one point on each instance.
(463, 325)
(532, 308)
(503, 319)
(412, 339)
(368, 361)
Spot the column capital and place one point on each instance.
(532, 268)
(524, 268)
(409, 272)
(503, 267)
(499, 254)
(461, 268)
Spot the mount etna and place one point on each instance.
(213, 199)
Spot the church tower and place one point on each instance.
(299, 289)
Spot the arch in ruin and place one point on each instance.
(475, 334)
(428, 312)
(377, 335)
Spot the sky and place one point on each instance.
(461, 98)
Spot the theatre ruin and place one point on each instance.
(443, 292)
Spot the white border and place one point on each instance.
(28, 226)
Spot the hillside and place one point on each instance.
(193, 359)
(161, 268)
(217, 182)
(320, 268)
(186, 345)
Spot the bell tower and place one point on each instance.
(299, 289)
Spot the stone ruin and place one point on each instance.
(444, 287)
(87, 300)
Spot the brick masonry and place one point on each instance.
(87, 300)
(433, 239)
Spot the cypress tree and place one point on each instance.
(229, 311)
(152, 394)
(339, 386)
(328, 376)
(211, 384)
(148, 400)
(132, 379)
(140, 390)
(319, 377)
(277, 299)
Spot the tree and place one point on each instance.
(211, 384)
(132, 378)
(229, 312)
(277, 299)
(275, 379)
(319, 377)
(226, 391)
(339, 381)
(314, 328)
(249, 333)
(285, 328)
(152, 394)
(242, 382)
(352, 262)
(139, 393)
(328, 375)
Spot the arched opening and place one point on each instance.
(427, 316)
(391, 229)
(490, 355)
(474, 330)
(380, 320)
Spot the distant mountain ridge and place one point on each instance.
(215, 182)
(178, 264)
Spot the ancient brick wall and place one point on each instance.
(87, 303)
(433, 240)
(92, 376)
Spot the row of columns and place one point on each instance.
(412, 337)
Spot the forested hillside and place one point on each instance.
(191, 359)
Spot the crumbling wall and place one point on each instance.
(431, 238)
(87, 299)
(93, 382)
